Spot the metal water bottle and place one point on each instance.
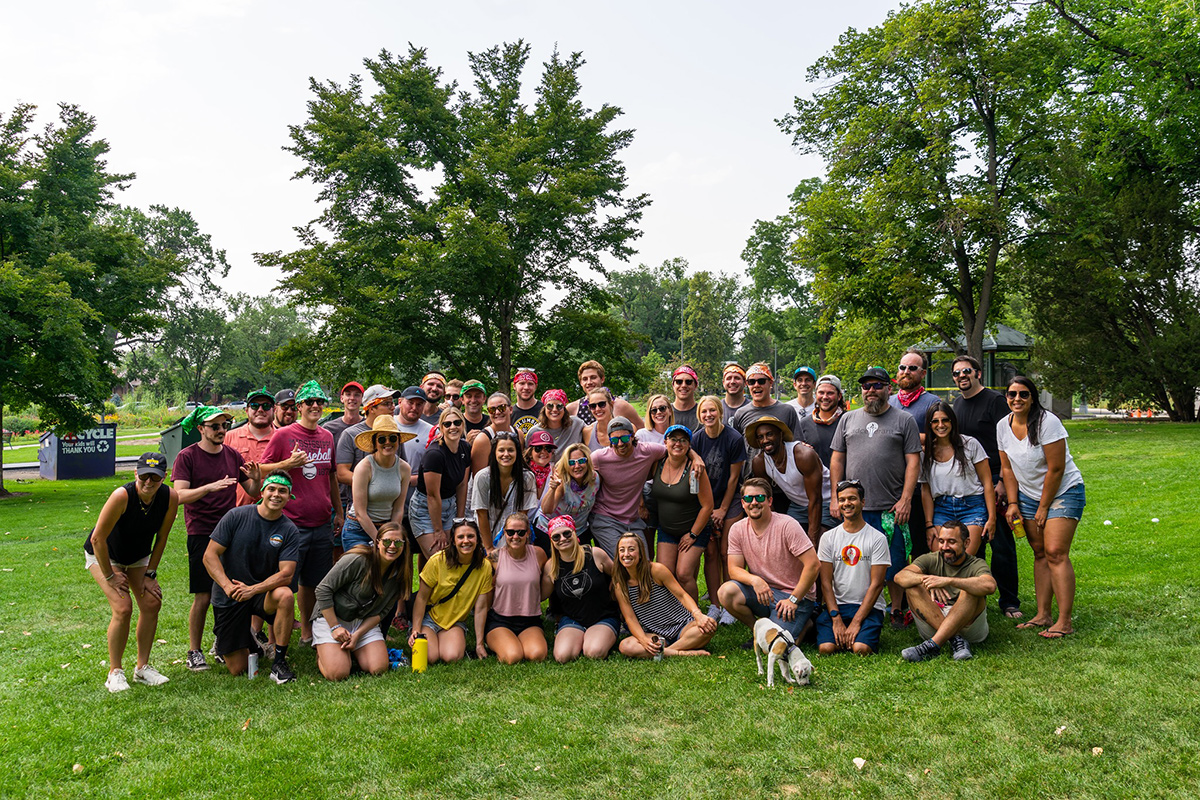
(252, 666)
(420, 653)
(654, 637)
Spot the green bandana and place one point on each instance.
(310, 390)
(282, 480)
(200, 416)
(263, 392)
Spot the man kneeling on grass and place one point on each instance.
(854, 559)
(947, 592)
(251, 557)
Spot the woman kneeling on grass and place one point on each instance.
(660, 615)
(577, 581)
(353, 599)
(456, 581)
(514, 623)
(122, 553)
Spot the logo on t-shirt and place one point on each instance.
(871, 428)
(851, 555)
(309, 471)
(577, 584)
(276, 540)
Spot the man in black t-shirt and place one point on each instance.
(251, 557)
(978, 409)
(526, 409)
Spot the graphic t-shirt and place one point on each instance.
(313, 505)
(875, 446)
(198, 468)
(852, 556)
(254, 546)
(524, 419)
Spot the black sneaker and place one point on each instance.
(281, 673)
(900, 620)
(922, 652)
(959, 648)
(195, 661)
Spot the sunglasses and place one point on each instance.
(560, 537)
(220, 426)
(513, 533)
(313, 401)
(150, 477)
(543, 448)
(452, 423)
(684, 382)
(658, 410)
(576, 462)
(554, 406)
(1021, 393)
(391, 544)
(754, 498)
(622, 439)
(755, 381)
(965, 371)
(391, 438)
(601, 404)
(493, 410)
(908, 368)
(386, 402)
(452, 397)
(260, 406)
(874, 386)
(288, 406)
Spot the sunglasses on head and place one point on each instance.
(391, 544)
(755, 381)
(754, 498)
(873, 386)
(260, 406)
(1015, 393)
(843, 485)
(622, 439)
(220, 426)
(390, 438)
(576, 462)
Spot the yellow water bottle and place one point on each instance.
(420, 653)
(1018, 528)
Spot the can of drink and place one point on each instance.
(252, 666)
(694, 483)
(1018, 528)
(658, 656)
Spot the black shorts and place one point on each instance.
(517, 625)
(316, 556)
(199, 581)
(231, 624)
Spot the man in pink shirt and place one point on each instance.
(623, 467)
(773, 567)
(251, 439)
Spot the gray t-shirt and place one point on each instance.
(414, 449)
(728, 412)
(875, 446)
(852, 556)
(345, 451)
(750, 412)
(688, 418)
(254, 546)
(570, 433)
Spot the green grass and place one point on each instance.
(1126, 682)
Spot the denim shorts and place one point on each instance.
(429, 624)
(868, 634)
(701, 540)
(353, 534)
(1068, 504)
(566, 622)
(418, 513)
(967, 510)
(804, 610)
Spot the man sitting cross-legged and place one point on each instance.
(947, 591)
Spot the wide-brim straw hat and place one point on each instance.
(384, 423)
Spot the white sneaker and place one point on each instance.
(116, 681)
(149, 676)
(714, 612)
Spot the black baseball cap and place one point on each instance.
(414, 392)
(875, 374)
(285, 396)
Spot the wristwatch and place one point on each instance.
(837, 612)
(793, 599)
(152, 574)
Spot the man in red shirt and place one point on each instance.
(252, 438)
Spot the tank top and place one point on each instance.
(585, 413)
(594, 442)
(677, 506)
(584, 596)
(792, 482)
(382, 490)
(132, 538)
(662, 613)
(518, 584)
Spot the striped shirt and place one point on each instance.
(662, 614)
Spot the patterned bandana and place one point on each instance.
(554, 395)
(309, 391)
(282, 480)
(526, 375)
(560, 522)
(733, 368)
(200, 416)
(685, 370)
(907, 398)
(541, 473)
(436, 376)
(760, 369)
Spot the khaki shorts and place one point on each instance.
(977, 631)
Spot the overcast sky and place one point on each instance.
(195, 97)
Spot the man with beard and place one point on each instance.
(733, 380)
(251, 439)
(878, 446)
(285, 408)
(684, 382)
(794, 468)
(213, 470)
(773, 565)
(527, 408)
(591, 378)
(408, 420)
(434, 385)
(978, 409)
(761, 383)
(251, 559)
(912, 397)
(804, 380)
(948, 592)
(314, 484)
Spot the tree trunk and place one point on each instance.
(3, 491)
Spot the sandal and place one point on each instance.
(1024, 626)
(1013, 613)
(1054, 634)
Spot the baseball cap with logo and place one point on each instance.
(152, 464)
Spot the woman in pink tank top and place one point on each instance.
(514, 623)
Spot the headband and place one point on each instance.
(201, 415)
(561, 521)
(686, 370)
(733, 368)
(760, 369)
(526, 375)
(557, 395)
(437, 375)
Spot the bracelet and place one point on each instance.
(929, 525)
(335, 627)
(111, 575)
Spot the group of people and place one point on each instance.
(803, 512)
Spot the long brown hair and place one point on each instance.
(621, 576)
(477, 555)
(376, 575)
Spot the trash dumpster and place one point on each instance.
(87, 454)
(175, 439)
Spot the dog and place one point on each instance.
(781, 649)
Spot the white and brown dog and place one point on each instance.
(781, 649)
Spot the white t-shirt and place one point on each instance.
(481, 487)
(852, 556)
(1029, 463)
(651, 436)
(945, 479)
(801, 411)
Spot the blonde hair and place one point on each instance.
(563, 469)
(579, 556)
(670, 411)
(441, 434)
(621, 576)
(712, 399)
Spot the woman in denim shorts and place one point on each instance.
(1035, 458)
(956, 481)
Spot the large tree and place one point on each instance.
(931, 126)
(525, 199)
(71, 283)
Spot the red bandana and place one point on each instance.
(908, 398)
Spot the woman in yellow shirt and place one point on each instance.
(454, 582)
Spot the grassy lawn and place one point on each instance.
(1125, 682)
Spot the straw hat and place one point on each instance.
(384, 423)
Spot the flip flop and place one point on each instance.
(1054, 634)
(1014, 613)
(1024, 626)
